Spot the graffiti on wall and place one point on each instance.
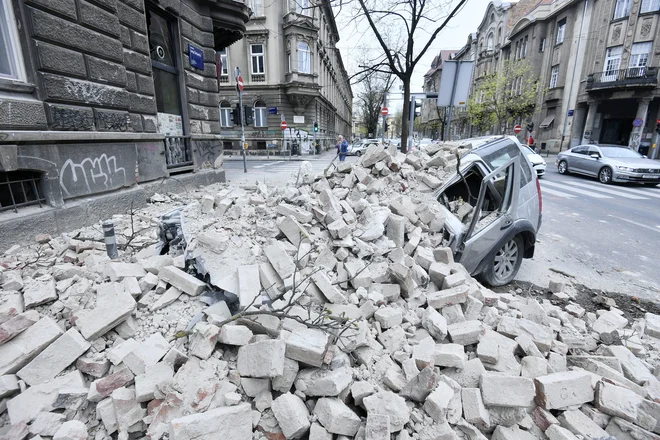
(91, 175)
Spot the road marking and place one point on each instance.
(645, 192)
(575, 190)
(632, 222)
(556, 193)
(608, 191)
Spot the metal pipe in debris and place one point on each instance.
(110, 239)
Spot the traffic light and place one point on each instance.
(385, 127)
(316, 127)
(657, 127)
(530, 126)
(418, 109)
(236, 115)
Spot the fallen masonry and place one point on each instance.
(330, 308)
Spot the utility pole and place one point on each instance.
(384, 116)
(239, 90)
(412, 120)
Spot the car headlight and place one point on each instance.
(625, 168)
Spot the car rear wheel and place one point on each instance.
(605, 175)
(358, 153)
(562, 167)
(505, 263)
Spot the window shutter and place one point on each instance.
(249, 115)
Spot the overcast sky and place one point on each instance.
(454, 36)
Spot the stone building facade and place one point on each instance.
(433, 117)
(292, 71)
(101, 95)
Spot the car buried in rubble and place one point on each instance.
(492, 208)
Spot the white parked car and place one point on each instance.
(537, 161)
(423, 143)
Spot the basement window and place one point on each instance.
(20, 188)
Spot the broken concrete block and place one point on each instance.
(262, 359)
(55, 358)
(453, 280)
(101, 388)
(167, 298)
(580, 424)
(393, 339)
(20, 350)
(117, 271)
(330, 291)
(284, 382)
(622, 402)
(113, 305)
(437, 403)
(71, 430)
(442, 298)
(465, 333)
(146, 353)
(47, 423)
(249, 286)
(8, 385)
(39, 291)
(420, 386)
(12, 280)
(632, 367)
(390, 404)
(474, 410)
(339, 229)
(293, 230)
(609, 322)
(235, 335)
(154, 376)
(132, 286)
(11, 304)
(388, 317)
(227, 423)
(564, 389)
(308, 346)
(507, 391)
(319, 382)
(532, 366)
(280, 260)
(434, 323)
(292, 415)
(127, 329)
(182, 280)
(378, 427)
(17, 324)
(395, 230)
(253, 387)
(127, 409)
(404, 277)
(27, 405)
(424, 353)
(71, 399)
(556, 432)
(336, 417)
(450, 355)
(298, 213)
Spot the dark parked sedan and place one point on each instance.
(609, 163)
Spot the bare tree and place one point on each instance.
(398, 25)
(371, 97)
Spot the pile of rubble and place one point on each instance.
(328, 307)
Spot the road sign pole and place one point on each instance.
(239, 86)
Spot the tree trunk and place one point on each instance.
(405, 119)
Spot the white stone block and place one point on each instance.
(262, 359)
(154, 376)
(390, 404)
(330, 291)
(253, 387)
(308, 346)
(336, 417)
(321, 382)
(378, 427)
(117, 271)
(47, 423)
(424, 353)
(437, 403)
(442, 298)
(280, 260)
(55, 358)
(71, 430)
(466, 333)
(113, 305)
(556, 432)
(450, 355)
(292, 415)
(293, 230)
(474, 410)
(20, 350)
(564, 389)
(39, 291)
(434, 323)
(507, 391)
(284, 382)
(249, 286)
(182, 280)
(235, 335)
(580, 424)
(532, 366)
(389, 316)
(609, 322)
(226, 423)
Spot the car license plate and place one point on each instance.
(649, 176)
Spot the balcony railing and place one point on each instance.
(634, 76)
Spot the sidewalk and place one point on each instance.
(322, 156)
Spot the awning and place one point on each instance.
(547, 122)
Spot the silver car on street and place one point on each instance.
(609, 163)
(492, 235)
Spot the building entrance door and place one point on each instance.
(616, 131)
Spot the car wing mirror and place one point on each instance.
(595, 155)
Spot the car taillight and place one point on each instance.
(538, 189)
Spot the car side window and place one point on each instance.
(579, 150)
(505, 151)
(593, 150)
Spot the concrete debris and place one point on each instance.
(330, 308)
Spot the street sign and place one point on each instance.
(638, 122)
(239, 83)
(196, 57)
(272, 110)
(571, 112)
(517, 128)
(384, 111)
(283, 125)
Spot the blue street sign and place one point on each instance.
(638, 122)
(196, 57)
(272, 110)
(570, 112)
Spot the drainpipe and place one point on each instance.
(570, 92)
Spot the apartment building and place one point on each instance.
(99, 97)
(433, 118)
(292, 71)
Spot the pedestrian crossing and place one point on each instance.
(573, 189)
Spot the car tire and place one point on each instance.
(562, 167)
(358, 153)
(651, 184)
(505, 263)
(605, 175)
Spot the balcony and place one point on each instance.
(636, 77)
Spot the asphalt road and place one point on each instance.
(602, 236)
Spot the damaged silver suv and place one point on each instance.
(492, 209)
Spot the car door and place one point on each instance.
(591, 165)
(576, 162)
(489, 223)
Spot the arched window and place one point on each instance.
(490, 42)
(492, 18)
(304, 58)
(302, 7)
(225, 114)
(260, 114)
(481, 45)
(499, 35)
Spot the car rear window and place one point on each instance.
(500, 153)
